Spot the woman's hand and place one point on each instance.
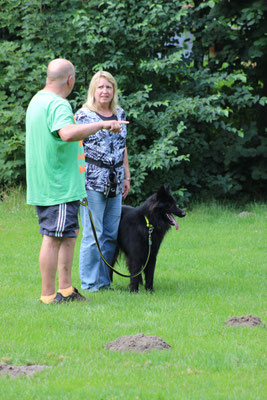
(125, 188)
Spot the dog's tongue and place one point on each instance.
(173, 221)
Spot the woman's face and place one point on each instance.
(103, 93)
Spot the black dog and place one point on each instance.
(133, 234)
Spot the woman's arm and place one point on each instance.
(127, 178)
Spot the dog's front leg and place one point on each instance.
(149, 274)
(134, 269)
(134, 284)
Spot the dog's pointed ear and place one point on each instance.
(167, 188)
(162, 191)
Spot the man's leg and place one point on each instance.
(65, 259)
(59, 227)
(48, 261)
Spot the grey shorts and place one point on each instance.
(60, 220)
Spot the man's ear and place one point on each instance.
(70, 80)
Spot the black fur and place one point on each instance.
(133, 234)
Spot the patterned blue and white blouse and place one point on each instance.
(102, 146)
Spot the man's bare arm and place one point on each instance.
(74, 133)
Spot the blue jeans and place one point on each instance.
(106, 213)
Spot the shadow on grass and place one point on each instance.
(189, 286)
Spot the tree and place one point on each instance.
(193, 121)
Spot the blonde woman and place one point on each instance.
(107, 180)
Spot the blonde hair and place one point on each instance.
(90, 102)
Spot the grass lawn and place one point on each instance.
(212, 269)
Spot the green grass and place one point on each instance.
(213, 268)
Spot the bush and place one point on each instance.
(194, 116)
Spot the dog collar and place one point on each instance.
(147, 221)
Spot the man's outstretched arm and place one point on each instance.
(74, 133)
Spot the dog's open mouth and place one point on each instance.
(173, 221)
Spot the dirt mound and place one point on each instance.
(248, 320)
(139, 342)
(22, 370)
(245, 214)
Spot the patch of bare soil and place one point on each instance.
(23, 370)
(248, 320)
(139, 343)
(245, 214)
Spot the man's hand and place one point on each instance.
(113, 125)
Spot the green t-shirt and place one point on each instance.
(54, 168)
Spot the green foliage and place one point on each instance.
(197, 123)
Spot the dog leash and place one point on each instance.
(150, 230)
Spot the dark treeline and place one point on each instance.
(192, 80)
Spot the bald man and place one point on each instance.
(55, 176)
